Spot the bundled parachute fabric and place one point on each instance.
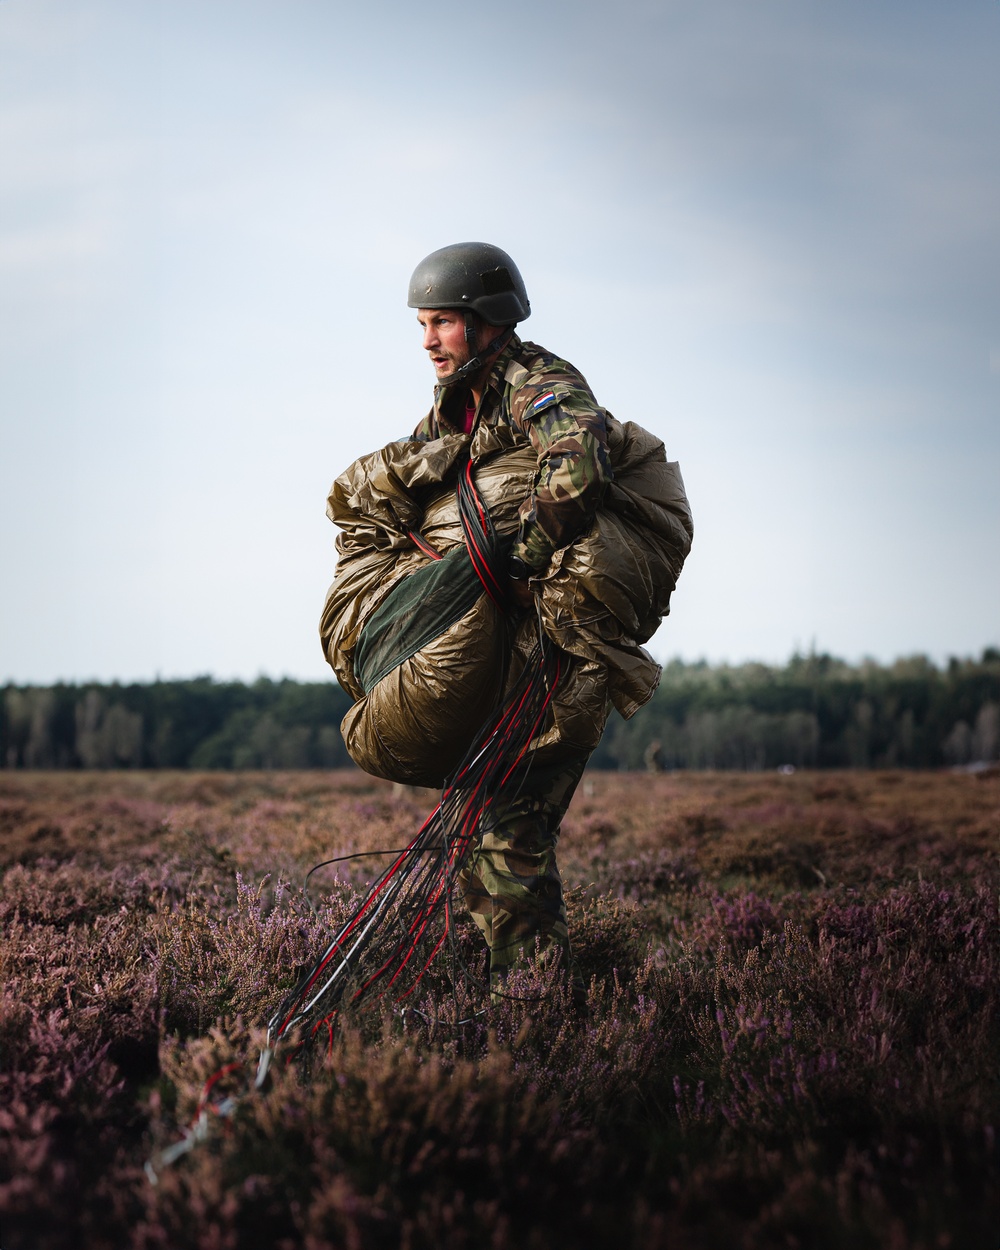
(606, 593)
(431, 658)
(599, 600)
(414, 613)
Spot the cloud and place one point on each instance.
(767, 231)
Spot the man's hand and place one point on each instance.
(520, 592)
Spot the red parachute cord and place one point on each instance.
(420, 541)
(480, 537)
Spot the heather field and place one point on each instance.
(791, 1039)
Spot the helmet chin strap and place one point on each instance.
(476, 359)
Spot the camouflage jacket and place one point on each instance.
(545, 402)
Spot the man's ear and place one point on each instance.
(485, 333)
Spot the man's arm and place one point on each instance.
(568, 430)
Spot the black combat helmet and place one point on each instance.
(476, 276)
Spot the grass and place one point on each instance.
(791, 1039)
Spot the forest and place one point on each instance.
(816, 711)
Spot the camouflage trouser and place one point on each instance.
(511, 884)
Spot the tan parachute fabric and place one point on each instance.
(600, 598)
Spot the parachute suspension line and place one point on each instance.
(420, 541)
(404, 920)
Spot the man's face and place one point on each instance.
(444, 338)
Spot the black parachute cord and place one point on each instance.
(341, 859)
(464, 801)
(540, 673)
(410, 899)
(417, 895)
(343, 946)
(420, 541)
(481, 539)
(308, 997)
(513, 737)
(406, 902)
(488, 556)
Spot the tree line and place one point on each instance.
(199, 723)
(815, 711)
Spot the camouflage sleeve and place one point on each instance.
(427, 429)
(568, 430)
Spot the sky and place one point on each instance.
(768, 232)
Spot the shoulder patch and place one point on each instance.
(543, 402)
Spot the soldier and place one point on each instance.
(469, 298)
(592, 558)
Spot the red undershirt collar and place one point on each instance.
(470, 414)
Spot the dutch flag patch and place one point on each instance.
(546, 399)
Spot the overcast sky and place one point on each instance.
(768, 231)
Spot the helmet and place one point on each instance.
(476, 276)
